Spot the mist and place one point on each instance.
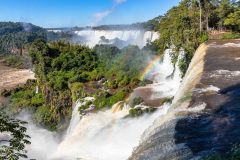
(104, 134)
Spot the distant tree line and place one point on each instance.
(14, 37)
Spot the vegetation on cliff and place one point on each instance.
(66, 73)
(186, 26)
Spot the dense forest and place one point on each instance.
(190, 23)
(15, 37)
(66, 73)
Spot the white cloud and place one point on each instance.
(101, 15)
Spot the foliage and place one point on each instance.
(166, 100)
(26, 97)
(85, 106)
(15, 147)
(153, 23)
(135, 112)
(231, 35)
(18, 35)
(46, 117)
(223, 10)
(16, 61)
(76, 90)
(181, 28)
(67, 72)
(136, 101)
(108, 100)
(233, 20)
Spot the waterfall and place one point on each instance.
(75, 114)
(109, 134)
(160, 136)
(119, 38)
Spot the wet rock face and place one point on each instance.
(216, 128)
(211, 121)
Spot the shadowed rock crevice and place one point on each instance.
(213, 132)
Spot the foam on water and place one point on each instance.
(105, 135)
(210, 88)
(226, 45)
(118, 38)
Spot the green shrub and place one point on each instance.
(135, 112)
(37, 100)
(76, 90)
(136, 101)
(166, 100)
(203, 37)
(46, 117)
(120, 95)
(232, 35)
(149, 110)
(84, 107)
(183, 66)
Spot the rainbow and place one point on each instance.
(151, 65)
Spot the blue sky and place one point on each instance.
(68, 13)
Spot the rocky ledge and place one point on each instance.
(205, 116)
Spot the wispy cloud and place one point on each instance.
(99, 16)
(119, 1)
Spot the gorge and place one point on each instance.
(164, 89)
(193, 112)
(196, 124)
(111, 129)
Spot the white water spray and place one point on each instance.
(118, 38)
(104, 135)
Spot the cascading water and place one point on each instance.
(109, 134)
(117, 38)
(158, 141)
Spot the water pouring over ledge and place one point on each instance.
(106, 135)
(119, 38)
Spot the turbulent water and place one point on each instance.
(105, 135)
(119, 38)
(203, 119)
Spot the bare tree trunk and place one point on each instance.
(200, 20)
(207, 23)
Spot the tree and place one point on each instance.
(223, 10)
(15, 147)
(233, 20)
